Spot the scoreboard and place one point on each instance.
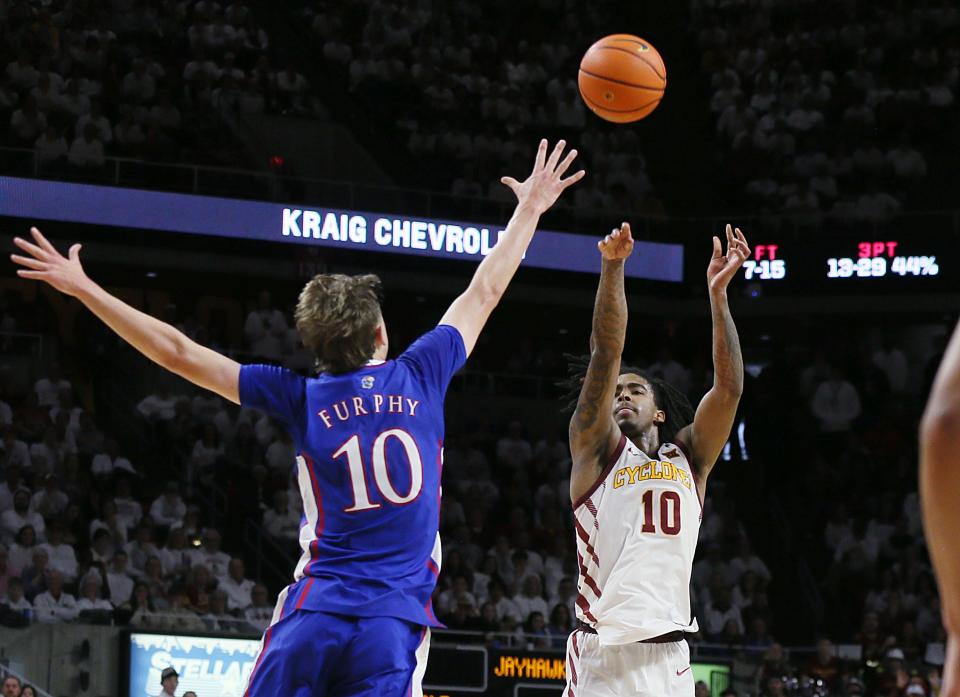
(465, 670)
(843, 264)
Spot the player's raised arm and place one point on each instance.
(594, 435)
(158, 341)
(718, 408)
(939, 493)
(470, 311)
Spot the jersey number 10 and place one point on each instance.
(669, 514)
(358, 479)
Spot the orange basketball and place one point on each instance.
(622, 78)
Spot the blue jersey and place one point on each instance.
(370, 451)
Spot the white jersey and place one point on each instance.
(637, 532)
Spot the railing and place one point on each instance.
(7, 672)
(272, 186)
(187, 623)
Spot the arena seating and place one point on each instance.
(81, 82)
(124, 537)
(838, 110)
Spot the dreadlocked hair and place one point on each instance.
(670, 400)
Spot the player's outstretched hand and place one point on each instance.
(723, 267)
(45, 263)
(545, 183)
(618, 244)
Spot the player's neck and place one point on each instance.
(648, 440)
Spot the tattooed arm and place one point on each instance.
(593, 433)
(711, 425)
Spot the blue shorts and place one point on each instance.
(317, 654)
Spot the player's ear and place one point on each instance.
(659, 416)
(382, 341)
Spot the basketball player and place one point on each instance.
(355, 622)
(641, 459)
(940, 494)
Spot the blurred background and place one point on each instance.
(144, 523)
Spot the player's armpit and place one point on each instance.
(206, 368)
(710, 429)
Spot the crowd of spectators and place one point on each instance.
(83, 80)
(86, 535)
(829, 109)
(468, 93)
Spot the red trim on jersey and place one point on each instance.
(586, 577)
(303, 595)
(253, 673)
(318, 530)
(686, 453)
(432, 565)
(573, 654)
(582, 534)
(585, 606)
(592, 507)
(606, 470)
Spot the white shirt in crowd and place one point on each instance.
(129, 510)
(282, 525)
(714, 619)
(50, 149)
(893, 363)
(19, 455)
(739, 566)
(216, 562)
(54, 610)
(166, 512)
(48, 392)
(11, 522)
(103, 465)
(238, 594)
(86, 153)
(259, 617)
(836, 404)
(265, 331)
(154, 406)
(63, 559)
(507, 610)
(280, 456)
(104, 129)
(95, 604)
(525, 605)
(121, 587)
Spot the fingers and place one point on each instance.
(33, 275)
(573, 179)
(510, 181)
(717, 248)
(730, 239)
(74, 253)
(541, 156)
(555, 155)
(29, 262)
(625, 231)
(567, 161)
(30, 248)
(42, 241)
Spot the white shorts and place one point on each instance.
(643, 670)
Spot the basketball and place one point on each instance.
(622, 78)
